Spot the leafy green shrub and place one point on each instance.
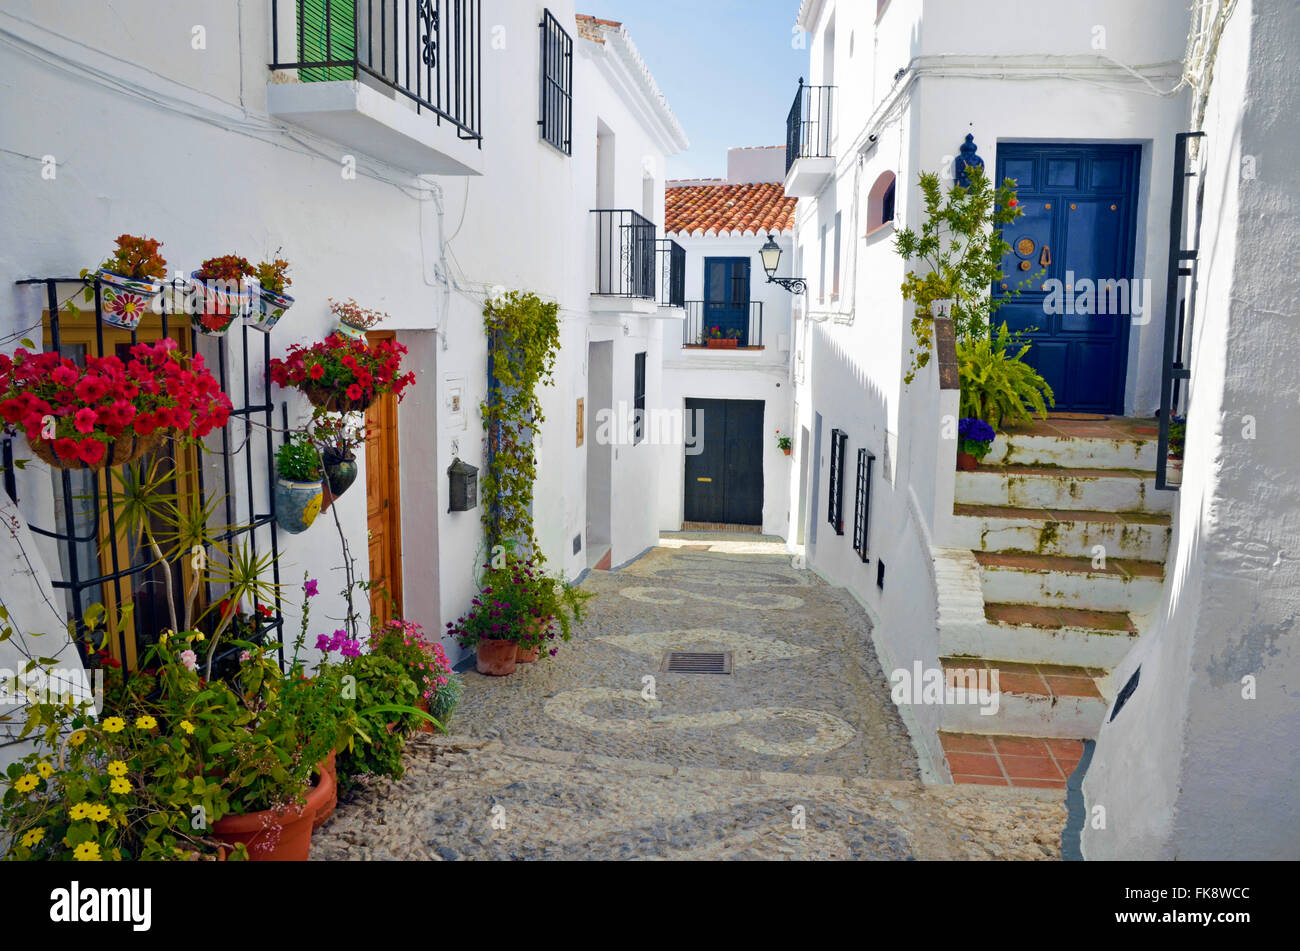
(381, 685)
(298, 460)
(996, 386)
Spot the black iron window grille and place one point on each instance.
(428, 51)
(702, 314)
(625, 254)
(835, 513)
(638, 400)
(556, 120)
(862, 504)
(90, 559)
(809, 127)
(672, 274)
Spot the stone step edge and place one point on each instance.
(1082, 566)
(1016, 513)
(1039, 470)
(1131, 631)
(951, 662)
(776, 780)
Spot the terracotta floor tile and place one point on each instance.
(1073, 687)
(1031, 767)
(1020, 746)
(1022, 683)
(965, 743)
(974, 764)
(1065, 749)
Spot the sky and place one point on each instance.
(729, 69)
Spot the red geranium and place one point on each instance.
(80, 410)
(353, 368)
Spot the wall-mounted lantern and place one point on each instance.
(463, 490)
(771, 255)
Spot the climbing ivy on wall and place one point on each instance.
(523, 334)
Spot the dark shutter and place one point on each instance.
(639, 399)
(835, 512)
(327, 33)
(862, 504)
(557, 85)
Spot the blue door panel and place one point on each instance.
(1078, 225)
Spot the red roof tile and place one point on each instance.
(728, 208)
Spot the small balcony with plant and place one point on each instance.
(399, 79)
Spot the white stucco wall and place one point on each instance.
(1191, 768)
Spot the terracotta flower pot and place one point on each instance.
(787, 451)
(966, 462)
(328, 771)
(278, 836)
(530, 655)
(723, 344)
(425, 725)
(496, 658)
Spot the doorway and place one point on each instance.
(724, 483)
(600, 452)
(726, 296)
(383, 502)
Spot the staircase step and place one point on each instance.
(1122, 585)
(1010, 760)
(1033, 699)
(1087, 489)
(1104, 444)
(1057, 618)
(1133, 535)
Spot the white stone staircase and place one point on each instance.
(1063, 538)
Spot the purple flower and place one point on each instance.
(340, 638)
(976, 430)
(351, 648)
(311, 588)
(323, 643)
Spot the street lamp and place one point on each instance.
(771, 255)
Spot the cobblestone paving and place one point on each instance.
(566, 759)
(806, 693)
(479, 799)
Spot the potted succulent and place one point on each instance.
(718, 338)
(354, 320)
(784, 443)
(518, 612)
(343, 376)
(131, 281)
(975, 439)
(298, 485)
(1177, 442)
(221, 292)
(270, 301)
(108, 413)
(424, 661)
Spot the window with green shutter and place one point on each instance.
(327, 33)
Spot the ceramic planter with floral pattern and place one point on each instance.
(268, 308)
(218, 304)
(125, 299)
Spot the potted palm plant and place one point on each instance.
(298, 491)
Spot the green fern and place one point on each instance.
(998, 387)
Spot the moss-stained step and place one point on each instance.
(1042, 700)
(1117, 584)
(1087, 489)
(1142, 536)
(1038, 634)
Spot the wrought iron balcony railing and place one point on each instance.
(626, 245)
(426, 50)
(809, 126)
(672, 274)
(702, 317)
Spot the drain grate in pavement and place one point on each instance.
(696, 662)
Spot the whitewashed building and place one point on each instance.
(733, 393)
(419, 176)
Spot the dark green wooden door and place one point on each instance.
(724, 482)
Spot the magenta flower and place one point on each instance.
(310, 587)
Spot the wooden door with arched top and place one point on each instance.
(383, 503)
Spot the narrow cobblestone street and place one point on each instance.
(572, 758)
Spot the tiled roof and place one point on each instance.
(728, 209)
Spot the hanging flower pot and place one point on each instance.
(496, 658)
(122, 451)
(343, 376)
(124, 299)
(297, 504)
(221, 294)
(332, 401)
(269, 298)
(340, 471)
(355, 320)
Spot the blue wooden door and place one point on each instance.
(726, 296)
(1077, 232)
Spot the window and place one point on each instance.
(862, 504)
(638, 398)
(835, 286)
(556, 120)
(880, 202)
(835, 512)
(327, 38)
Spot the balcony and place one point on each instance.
(672, 274)
(626, 246)
(399, 80)
(744, 321)
(809, 134)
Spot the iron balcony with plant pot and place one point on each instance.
(711, 325)
(398, 80)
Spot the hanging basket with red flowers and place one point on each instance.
(341, 375)
(108, 413)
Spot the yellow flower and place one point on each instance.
(145, 722)
(119, 785)
(33, 836)
(87, 852)
(80, 810)
(187, 726)
(77, 738)
(117, 768)
(98, 813)
(114, 725)
(45, 769)
(26, 783)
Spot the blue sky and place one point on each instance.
(728, 68)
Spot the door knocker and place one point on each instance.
(1045, 259)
